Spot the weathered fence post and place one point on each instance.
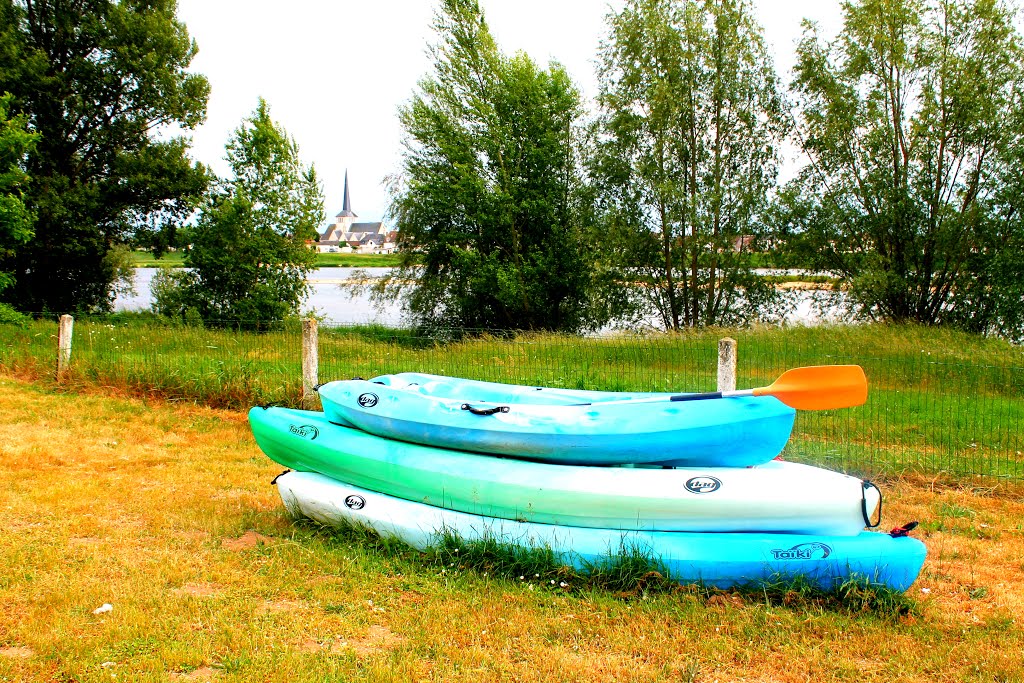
(310, 358)
(64, 346)
(726, 364)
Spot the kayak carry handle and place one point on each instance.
(485, 411)
(865, 486)
(699, 397)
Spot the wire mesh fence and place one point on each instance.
(938, 403)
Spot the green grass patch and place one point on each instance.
(330, 260)
(939, 401)
(175, 259)
(822, 281)
(146, 259)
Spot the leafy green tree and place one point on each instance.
(912, 120)
(486, 205)
(250, 253)
(15, 220)
(690, 123)
(96, 80)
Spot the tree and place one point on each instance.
(690, 123)
(485, 204)
(991, 299)
(250, 254)
(912, 121)
(15, 220)
(96, 80)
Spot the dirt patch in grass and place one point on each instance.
(203, 673)
(199, 590)
(376, 638)
(247, 541)
(289, 606)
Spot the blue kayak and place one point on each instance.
(723, 560)
(562, 425)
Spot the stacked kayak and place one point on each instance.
(585, 474)
(562, 425)
(775, 497)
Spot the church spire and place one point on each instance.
(346, 204)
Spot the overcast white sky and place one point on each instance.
(335, 71)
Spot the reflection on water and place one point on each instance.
(330, 298)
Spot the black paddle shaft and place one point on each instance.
(676, 397)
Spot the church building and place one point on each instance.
(346, 235)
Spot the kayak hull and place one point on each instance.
(775, 497)
(722, 560)
(561, 425)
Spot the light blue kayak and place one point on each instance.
(723, 560)
(562, 425)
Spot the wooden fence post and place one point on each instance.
(726, 364)
(64, 346)
(310, 360)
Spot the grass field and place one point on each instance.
(940, 402)
(175, 259)
(145, 259)
(164, 511)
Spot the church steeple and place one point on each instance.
(346, 205)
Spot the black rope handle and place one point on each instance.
(485, 411)
(865, 485)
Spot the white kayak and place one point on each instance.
(714, 559)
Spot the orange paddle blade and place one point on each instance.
(820, 387)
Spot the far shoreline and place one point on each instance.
(175, 259)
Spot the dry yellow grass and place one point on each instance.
(165, 512)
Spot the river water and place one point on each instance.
(331, 297)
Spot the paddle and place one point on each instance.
(819, 387)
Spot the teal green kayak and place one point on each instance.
(774, 497)
(562, 425)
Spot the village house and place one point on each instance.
(347, 236)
